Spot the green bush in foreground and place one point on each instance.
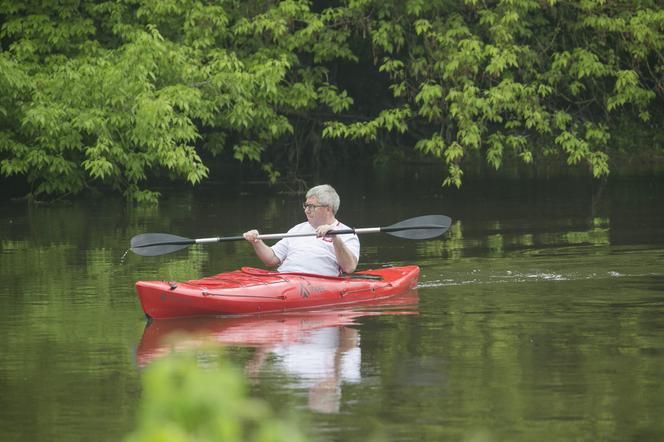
(202, 397)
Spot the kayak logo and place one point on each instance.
(305, 290)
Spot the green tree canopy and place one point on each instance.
(116, 93)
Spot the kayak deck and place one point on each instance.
(255, 291)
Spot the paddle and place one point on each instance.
(421, 227)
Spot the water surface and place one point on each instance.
(539, 316)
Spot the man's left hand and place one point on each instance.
(322, 230)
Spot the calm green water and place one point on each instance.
(540, 316)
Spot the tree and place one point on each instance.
(119, 93)
(522, 77)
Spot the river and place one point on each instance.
(538, 316)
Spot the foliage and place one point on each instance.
(522, 77)
(202, 397)
(118, 93)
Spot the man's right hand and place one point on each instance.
(251, 236)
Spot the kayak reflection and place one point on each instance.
(316, 348)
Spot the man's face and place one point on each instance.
(316, 214)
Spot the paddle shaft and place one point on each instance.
(297, 235)
(286, 235)
(183, 242)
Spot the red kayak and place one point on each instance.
(253, 291)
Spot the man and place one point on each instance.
(320, 254)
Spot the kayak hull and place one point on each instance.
(254, 291)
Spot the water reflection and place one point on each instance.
(320, 362)
(319, 350)
(538, 318)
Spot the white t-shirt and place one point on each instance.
(310, 254)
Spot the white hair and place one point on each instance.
(326, 196)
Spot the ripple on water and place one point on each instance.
(488, 277)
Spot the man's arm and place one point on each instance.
(263, 251)
(345, 258)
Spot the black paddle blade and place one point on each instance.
(155, 244)
(420, 227)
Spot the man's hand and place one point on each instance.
(322, 230)
(251, 236)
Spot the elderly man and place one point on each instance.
(320, 254)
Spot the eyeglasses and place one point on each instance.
(306, 206)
